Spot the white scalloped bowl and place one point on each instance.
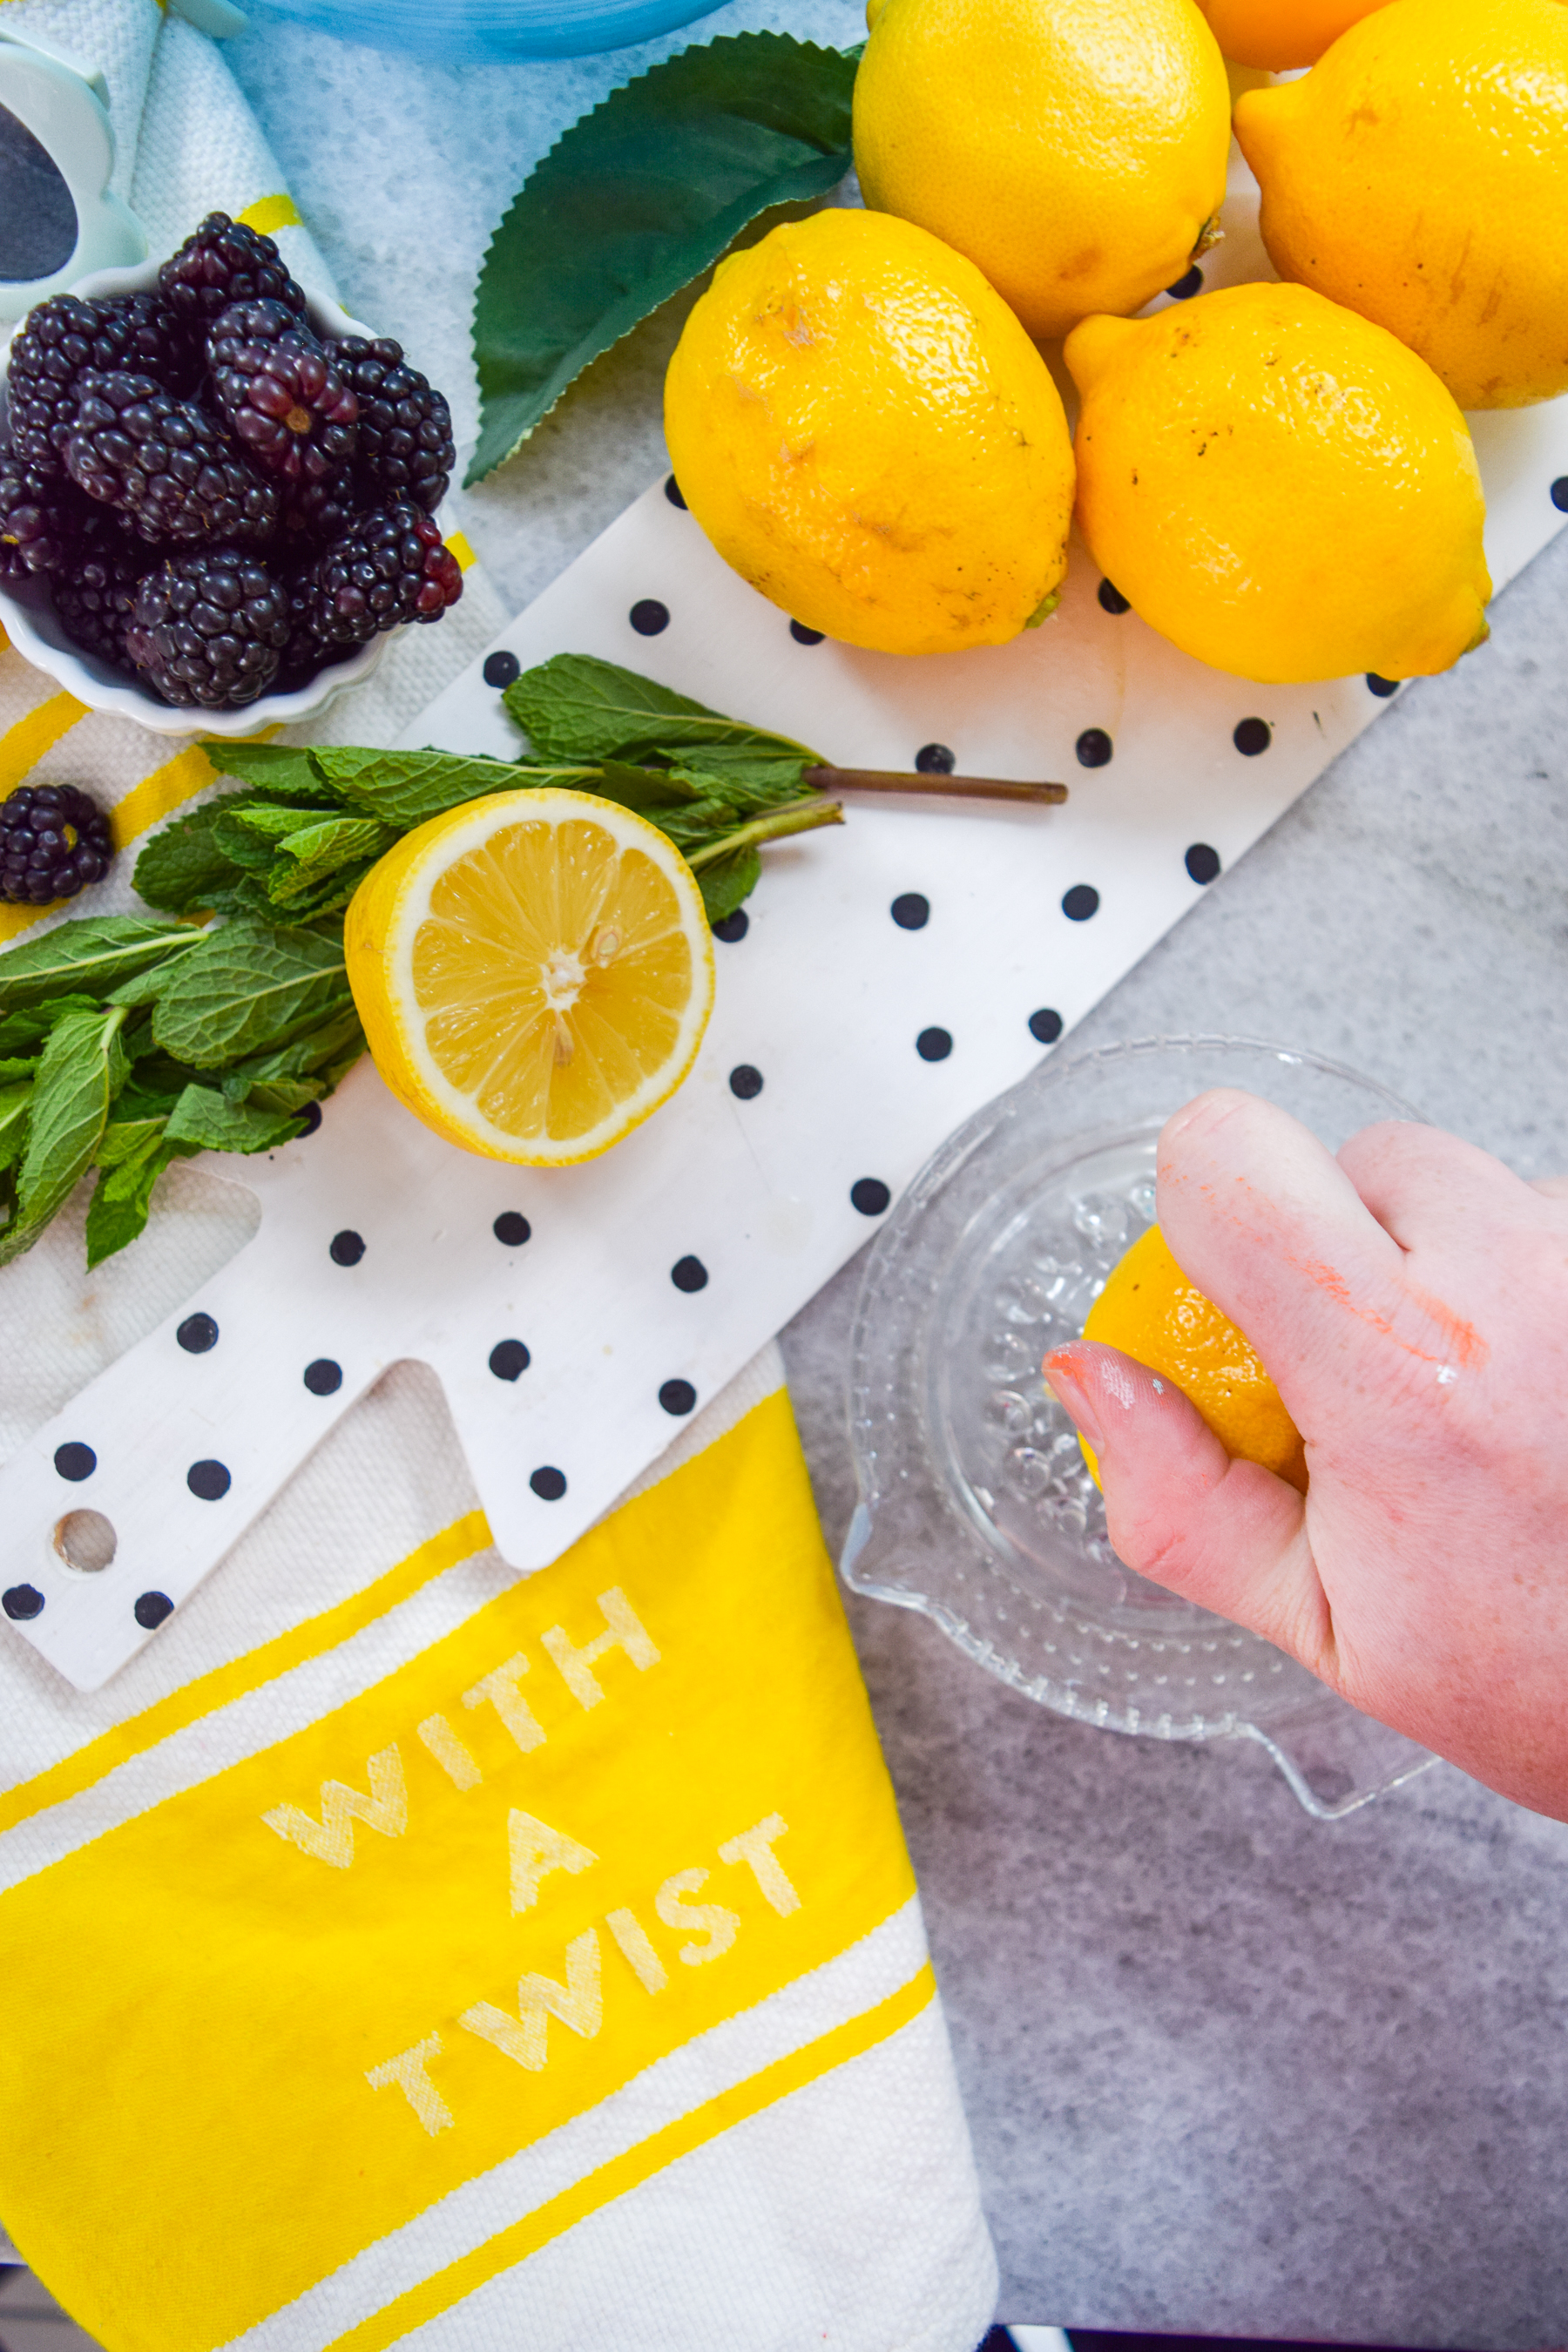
(27, 613)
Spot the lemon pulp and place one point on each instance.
(533, 972)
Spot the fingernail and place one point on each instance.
(1063, 1380)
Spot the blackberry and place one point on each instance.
(282, 395)
(37, 521)
(66, 335)
(54, 841)
(225, 262)
(163, 462)
(405, 446)
(95, 594)
(389, 566)
(210, 628)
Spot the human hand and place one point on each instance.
(1410, 1301)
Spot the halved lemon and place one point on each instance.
(534, 973)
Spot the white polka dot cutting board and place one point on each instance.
(888, 979)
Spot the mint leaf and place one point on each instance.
(727, 881)
(322, 847)
(294, 1063)
(83, 1069)
(183, 868)
(89, 956)
(119, 1209)
(204, 1119)
(575, 707)
(405, 788)
(285, 772)
(638, 198)
(16, 1102)
(247, 987)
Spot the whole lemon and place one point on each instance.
(1420, 174)
(1074, 149)
(866, 433)
(1279, 34)
(1279, 487)
(1151, 1311)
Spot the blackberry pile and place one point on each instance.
(220, 500)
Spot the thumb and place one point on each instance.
(1226, 1534)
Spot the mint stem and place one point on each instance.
(795, 816)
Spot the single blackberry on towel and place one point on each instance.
(405, 446)
(65, 336)
(39, 519)
(54, 841)
(210, 628)
(95, 594)
(225, 262)
(164, 462)
(388, 567)
(282, 395)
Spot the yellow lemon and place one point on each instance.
(1074, 149)
(1280, 488)
(1151, 1311)
(534, 973)
(1279, 34)
(864, 430)
(1420, 175)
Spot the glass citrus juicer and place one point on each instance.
(975, 1504)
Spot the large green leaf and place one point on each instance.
(637, 199)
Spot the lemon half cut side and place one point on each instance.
(534, 972)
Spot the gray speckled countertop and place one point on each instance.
(1229, 2070)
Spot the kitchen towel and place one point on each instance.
(396, 1947)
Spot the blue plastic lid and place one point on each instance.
(468, 32)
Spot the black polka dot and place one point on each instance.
(869, 1195)
(323, 1378)
(197, 1334)
(1382, 687)
(1093, 748)
(804, 636)
(935, 760)
(508, 1360)
(1045, 1026)
(734, 926)
(688, 1273)
(151, 1610)
(649, 616)
(672, 492)
(1080, 902)
(208, 1480)
(310, 1119)
(22, 1601)
(1112, 599)
(547, 1484)
(1202, 862)
(75, 1462)
(1191, 282)
(677, 1396)
(1252, 736)
(745, 1082)
(911, 911)
(346, 1248)
(512, 1228)
(1560, 494)
(501, 669)
(933, 1044)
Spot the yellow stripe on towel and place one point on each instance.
(507, 2247)
(268, 213)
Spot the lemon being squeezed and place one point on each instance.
(1151, 1311)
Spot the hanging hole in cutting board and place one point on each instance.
(86, 1541)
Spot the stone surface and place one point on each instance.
(1228, 2069)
